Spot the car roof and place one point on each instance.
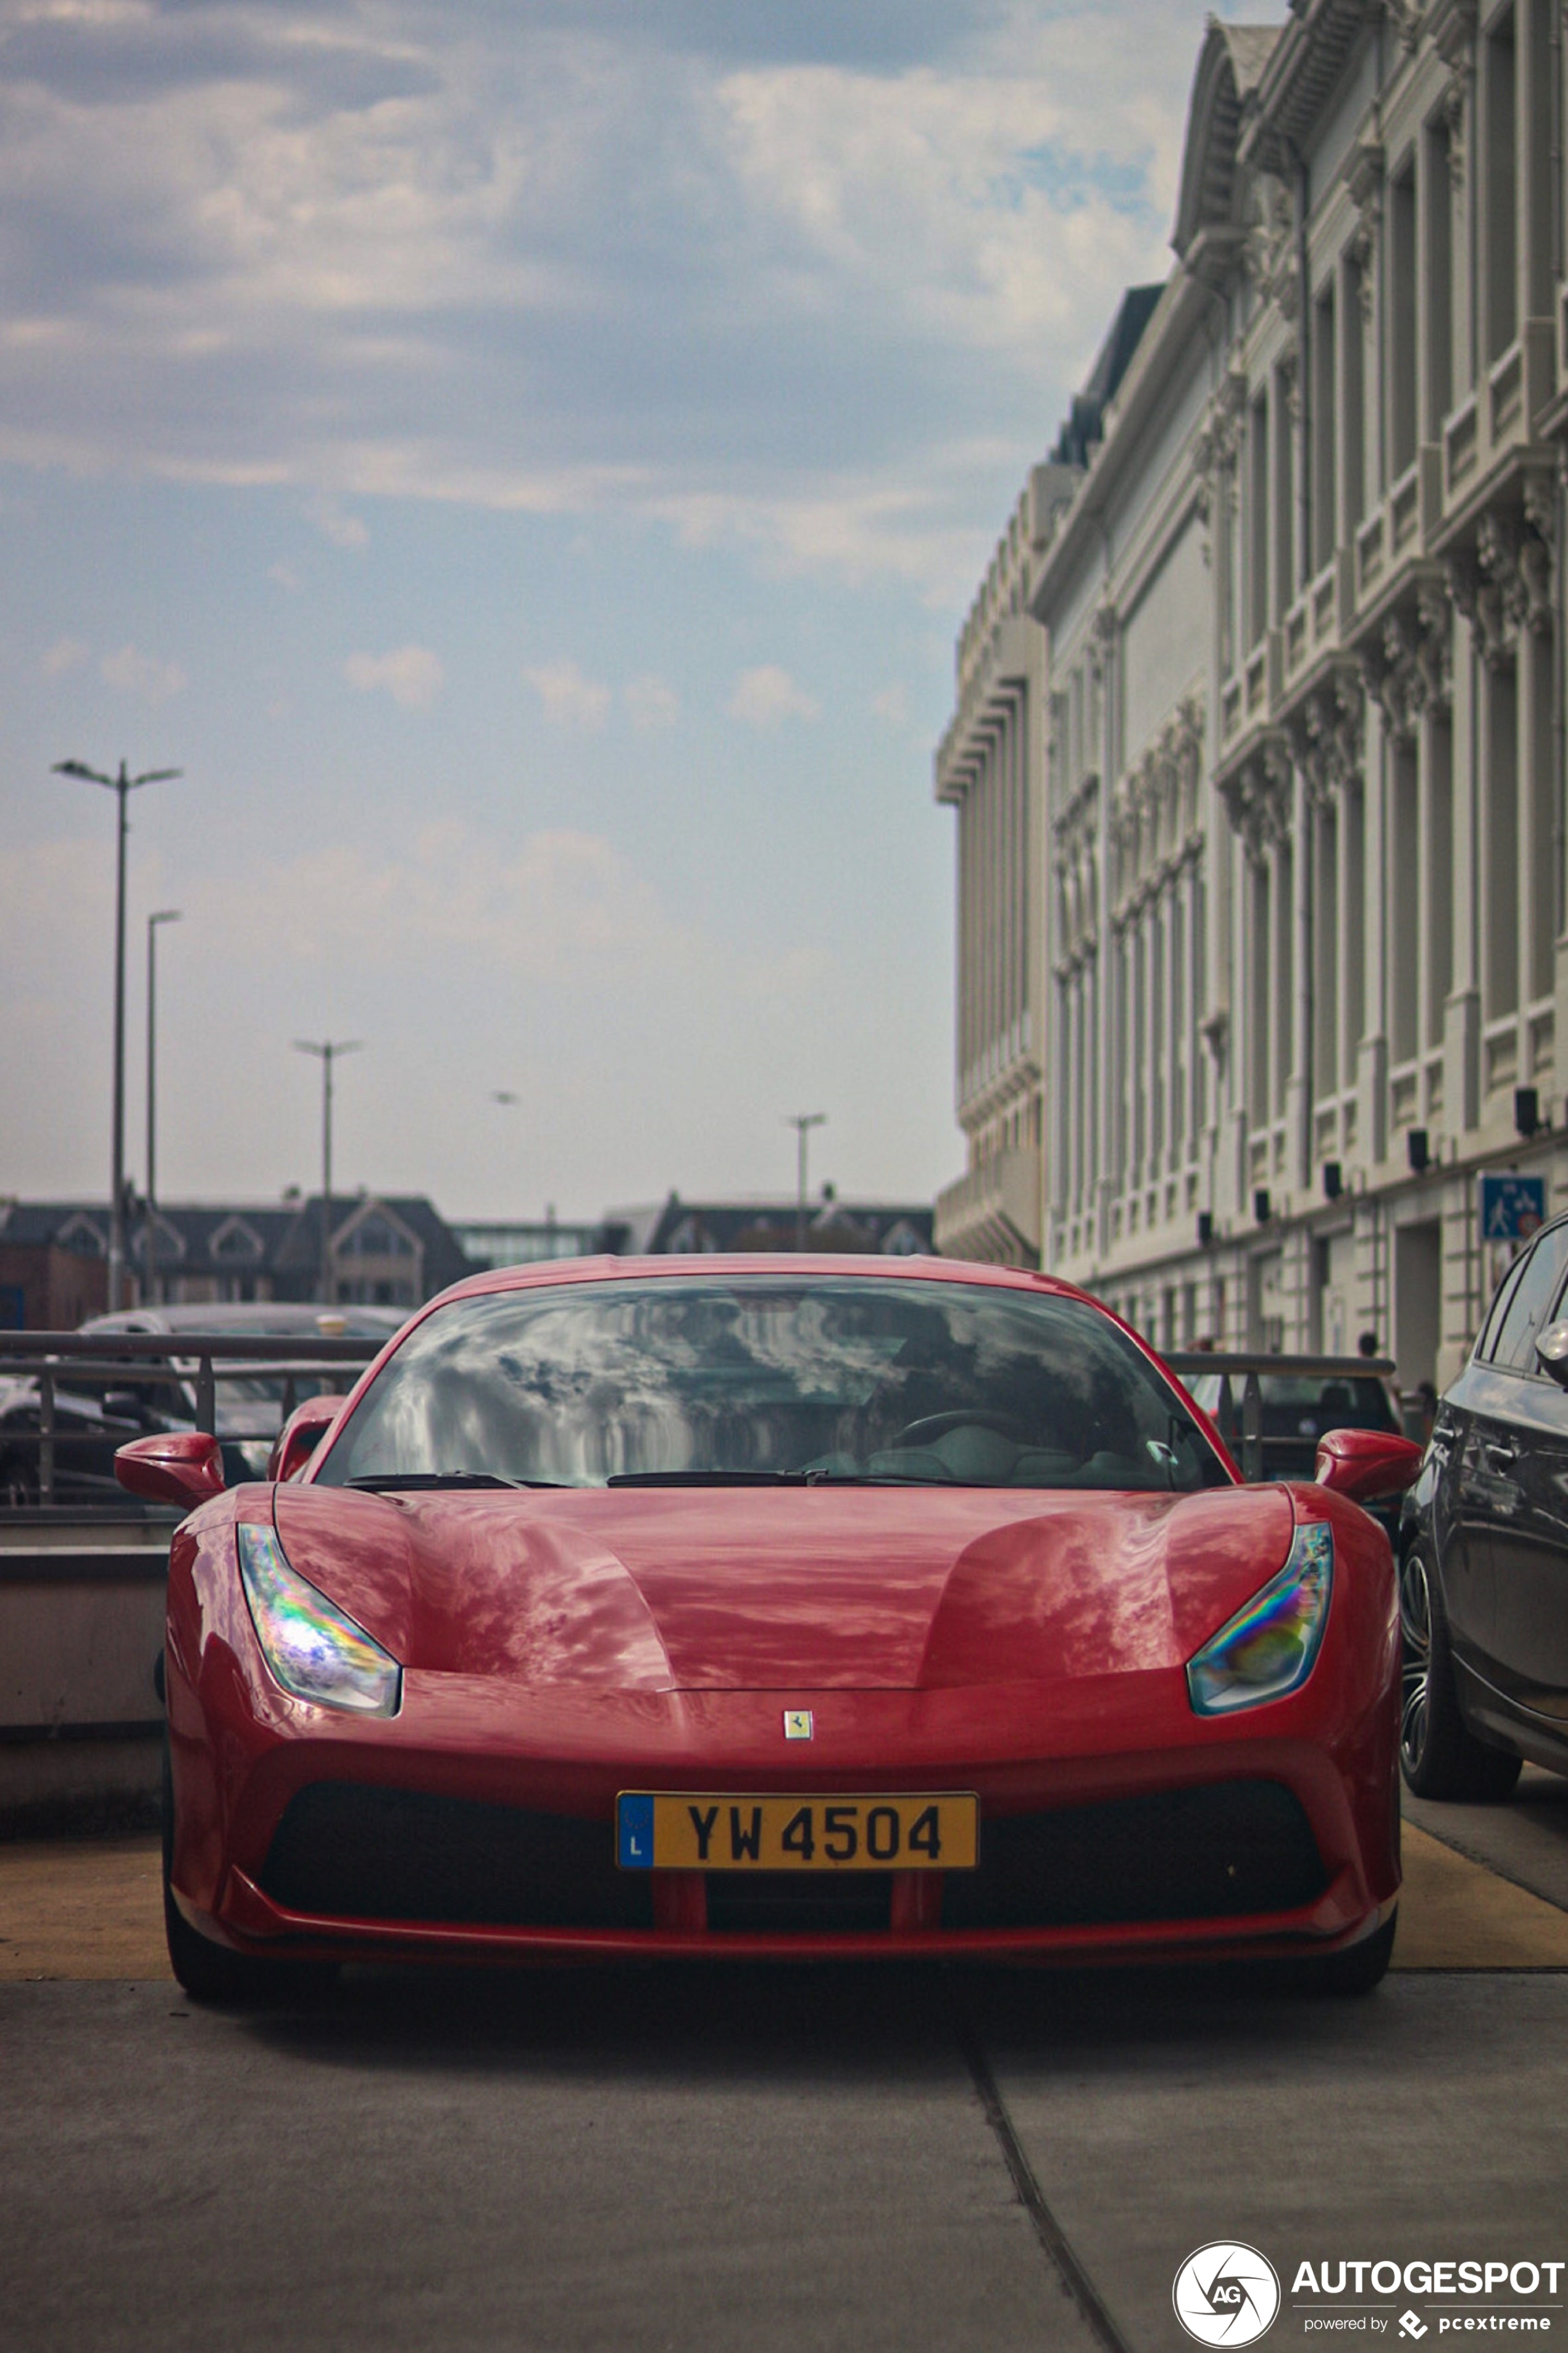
(807, 1265)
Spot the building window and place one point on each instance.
(1437, 342)
(1438, 832)
(1326, 954)
(1400, 336)
(1404, 904)
(1258, 994)
(1353, 817)
(1500, 869)
(1284, 504)
(1284, 971)
(1352, 369)
(375, 1237)
(235, 1241)
(1499, 191)
(1325, 485)
(1257, 519)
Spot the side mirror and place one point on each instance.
(1552, 1350)
(178, 1466)
(300, 1435)
(1367, 1464)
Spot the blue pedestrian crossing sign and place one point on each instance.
(1512, 1208)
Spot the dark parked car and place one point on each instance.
(96, 1414)
(1297, 1409)
(1484, 1568)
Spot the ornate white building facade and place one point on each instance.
(1293, 720)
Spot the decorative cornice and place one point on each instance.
(1452, 24)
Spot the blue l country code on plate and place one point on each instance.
(633, 1816)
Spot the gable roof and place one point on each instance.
(1230, 68)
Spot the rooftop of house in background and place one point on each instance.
(387, 1251)
(767, 1221)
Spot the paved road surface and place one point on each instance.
(764, 2159)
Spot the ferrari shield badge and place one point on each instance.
(798, 1723)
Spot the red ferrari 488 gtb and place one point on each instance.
(794, 1607)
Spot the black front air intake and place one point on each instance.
(1210, 1854)
(799, 1902)
(346, 1852)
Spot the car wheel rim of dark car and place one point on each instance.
(1415, 1667)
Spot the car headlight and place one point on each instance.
(314, 1651)
(1268, 1649)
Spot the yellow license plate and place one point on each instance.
(658, 1830)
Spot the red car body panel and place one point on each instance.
(560, 1646)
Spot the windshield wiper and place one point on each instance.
(708, 1479)
(784, 1479)
(894, 1479)
(392, 1482)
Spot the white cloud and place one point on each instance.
(565, 906)
(283, 575)
(334, 522)
(767, 696)
(412, 675)
(65, 655)
(892, 704)
(570, 698)
(384, 253)
(651, 703)
(143, 674)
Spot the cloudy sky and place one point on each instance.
(525, 461)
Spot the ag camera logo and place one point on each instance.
(1225, 2294)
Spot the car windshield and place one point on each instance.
(705, 1379)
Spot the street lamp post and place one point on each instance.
(803, 1122)
(124, 786)
(150, 1256)
(326, 1052)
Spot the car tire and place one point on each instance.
(210, 1972)
(1359, 1967)
(1439, 1756)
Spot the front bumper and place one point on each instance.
(244, 1754)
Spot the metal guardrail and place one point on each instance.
(1252, 1368)
(183, 1361)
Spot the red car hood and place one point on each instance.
(786, 1588)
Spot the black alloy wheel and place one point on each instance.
(1439, 1756)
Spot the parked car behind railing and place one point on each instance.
(68, 1400)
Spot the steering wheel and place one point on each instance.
(932, 1426)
